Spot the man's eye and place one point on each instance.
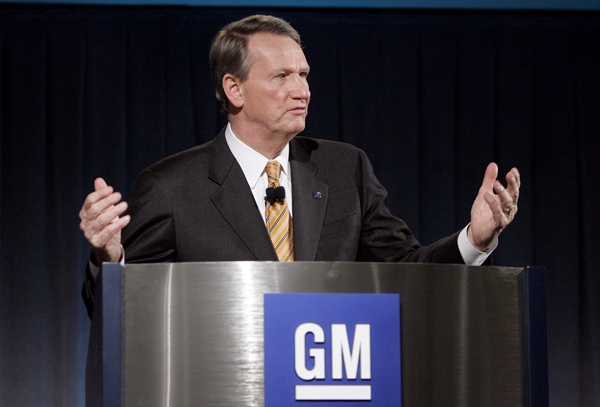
(280, 76)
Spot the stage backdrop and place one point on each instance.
(431, 96)
(363, 4)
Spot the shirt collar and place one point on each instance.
(252, 162)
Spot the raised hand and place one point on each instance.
(494, 208)
(101, 222)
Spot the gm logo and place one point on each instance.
(341, 354)
(321, 349)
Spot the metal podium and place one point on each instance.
(191, 334)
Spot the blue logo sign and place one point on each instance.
(323, 349)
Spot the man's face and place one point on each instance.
(275, 93)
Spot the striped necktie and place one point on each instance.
(277, 216)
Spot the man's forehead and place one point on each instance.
(273, 45)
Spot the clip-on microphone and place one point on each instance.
(275, 195)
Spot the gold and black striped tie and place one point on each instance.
(278, 219)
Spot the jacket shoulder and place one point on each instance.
(326, 149)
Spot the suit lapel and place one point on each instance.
(235, 202)
(309, 203)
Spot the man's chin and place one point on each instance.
(295, 129)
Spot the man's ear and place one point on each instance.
(233, 90)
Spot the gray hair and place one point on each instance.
(229, 49)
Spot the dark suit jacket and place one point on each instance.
(196, 206)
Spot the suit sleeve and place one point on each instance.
(88, 290)
(385, 237)
(150, 237)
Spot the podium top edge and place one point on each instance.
(248, 265)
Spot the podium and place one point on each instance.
(191, 334)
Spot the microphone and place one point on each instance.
(275, 195)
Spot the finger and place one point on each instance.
(101, 191)
(490, 176)
(513, 179)
(99, 183)
(95, 227)
(110, 215)
(101, 188)
(506, 200)
(498, 213)
(93, 222)
(97, 203)
(96, 196)
(103, 237)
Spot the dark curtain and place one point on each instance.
(432, 97)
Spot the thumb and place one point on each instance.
(491, 174)
(99, 184)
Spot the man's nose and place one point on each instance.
(300, 88)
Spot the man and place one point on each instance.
(208, 203)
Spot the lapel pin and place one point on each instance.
(317, 195)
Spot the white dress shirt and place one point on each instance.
(253, 165)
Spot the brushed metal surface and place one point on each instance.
(193, 333)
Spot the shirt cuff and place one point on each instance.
(470, 255)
